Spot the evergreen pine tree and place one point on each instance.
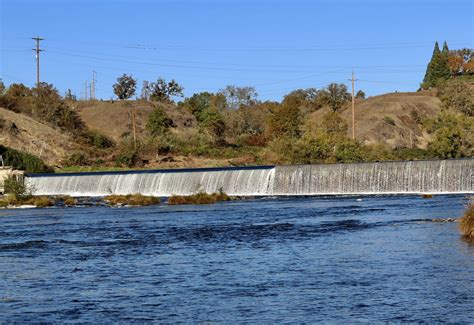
(428, 73)
(438, 67)
(445, 48)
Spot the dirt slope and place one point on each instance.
(21, 132)
(113, 119)
(393, 118)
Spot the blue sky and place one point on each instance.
(276, 46)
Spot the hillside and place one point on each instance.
(113, 118)
(26, 134)
(393, 118)
(374, 118)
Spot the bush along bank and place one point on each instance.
(132, 200)
(466, 224)
(199, 198)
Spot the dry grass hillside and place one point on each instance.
(113, 119)
(24, 133)
(392, 118)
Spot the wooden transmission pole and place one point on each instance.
(37, 51)
(353, 105)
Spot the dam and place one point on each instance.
(394, 177)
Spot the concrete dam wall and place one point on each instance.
(402, 177)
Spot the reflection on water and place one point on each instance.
(381, 259)
(469, 241)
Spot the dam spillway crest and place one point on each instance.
(401, 177)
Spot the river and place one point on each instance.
(272, 260)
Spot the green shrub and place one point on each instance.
(127, 158)
(452, 135)
(158, 122)
(4, 203)
(411, 154)
(349, 151)
(76, 159)
(16, 188)
(98, 140)
(23, 161)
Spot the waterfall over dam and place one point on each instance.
(401, 177)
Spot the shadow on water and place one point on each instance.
(469, 241)
(214, 233)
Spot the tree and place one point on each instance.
(162, 91)
(239, 96)
(336, 95)
(348, 150)
(247, 124)
(360, 94)
(2, 87)
(197, 103)
(213, 124)
(308, 100)
(285, 120)
(438, 67)
(18, 98)
(125, 87)
(334, 125)
(51, 108)
(158, 122)
(457, 95)
(445, 48)
(70, 96)
(452, 135)
(461, 61)
(207, 108)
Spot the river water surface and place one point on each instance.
(264, 260)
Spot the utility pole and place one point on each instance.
(353, 105)
(37, 51)
(85, 90)
(134, 127)
(93, 84)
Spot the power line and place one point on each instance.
(230, 64)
